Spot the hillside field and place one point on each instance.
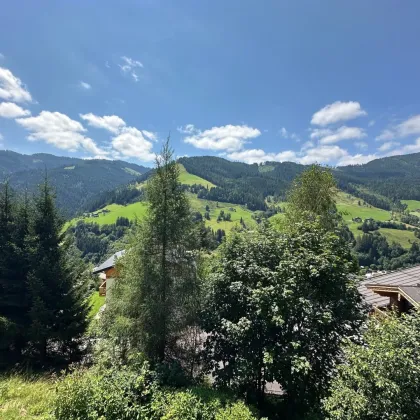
(189, 179)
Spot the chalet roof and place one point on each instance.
(109, 263)
(408, 278)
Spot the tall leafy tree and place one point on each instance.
(379, 378)
(155, 296)
(58, 312)
(279, 307)
(313, 194)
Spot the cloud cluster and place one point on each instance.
(228, 138)
(85, 85)
(12, 88)
(337, 111)
(11, 110)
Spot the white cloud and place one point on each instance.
(386, 135)
(338, 111)
(361, 145)
(11, 110)
(12, 88)
(59, 130)
(409, 127)
(85, 85)
(409, 148)
(295, 137)
(323, 154)
(129, 66)
(187, 129)
(358, 159)
(284, 133)
(307, 145)
(343, 133)
(131, 143)
(229, 137)
(371, 123)
(260, 156)
(111, 123)
(149, 135)
(388, 146)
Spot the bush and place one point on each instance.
(114, 395)
(123, 394)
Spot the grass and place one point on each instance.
(28, 398)
(132, 171)
(412, 205)
(70, 167)
(404, 237)
(190, 179)
(236, 211)
(96, 303)
(348, 205)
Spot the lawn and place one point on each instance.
(403, 237)
(26, 397)
(190, 179)
(236, 211)
(412, 205)
(96, 302)
(348, 205)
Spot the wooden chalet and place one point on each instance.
(106, 271)
(399, 290)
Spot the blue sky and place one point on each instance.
(307, 81)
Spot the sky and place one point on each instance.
(307, 81)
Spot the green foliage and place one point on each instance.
(156, 295)
(120, 393)
(43, 308)
(379, 378)
(313, 194)
(278, 308)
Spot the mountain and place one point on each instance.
(76, 181)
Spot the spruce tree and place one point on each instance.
(58, 313)
(155, 299)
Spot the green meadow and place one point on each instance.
(189, 179)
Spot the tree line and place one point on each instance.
(43, 310)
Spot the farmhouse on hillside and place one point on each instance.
(106, 272)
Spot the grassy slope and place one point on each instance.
(190, 179)
(413, 205)
(26, 398)
(403, 237)
(96, 302)
(198, 204)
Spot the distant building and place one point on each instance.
(107, 272)
(399, 289)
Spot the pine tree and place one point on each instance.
(154, 299)
(58, 313)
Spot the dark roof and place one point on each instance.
(408, 277)
(412, 291)
(109, 263)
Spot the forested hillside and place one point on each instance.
(75, 181)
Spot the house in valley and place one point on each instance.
(106, 272)
(399, 290)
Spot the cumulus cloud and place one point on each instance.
(129, 66)
(12, 88)
(149, 135)
(59, 130)
(343, 133)
(388, 146)
(131, 143)
(229, 137)
(337, 111)
(409, 127)
(85, 85)
(358, 159)
(111, 123)
(11, 110)
(323, 154)
(260, 156)
(386, 135)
